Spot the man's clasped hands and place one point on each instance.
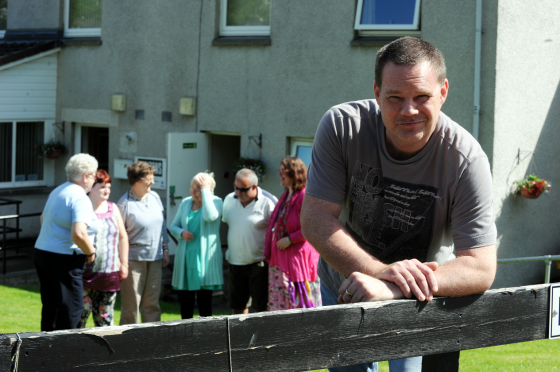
(398, 280)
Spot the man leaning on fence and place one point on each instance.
(247, 211)
(399, 196)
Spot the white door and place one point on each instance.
(187, 154)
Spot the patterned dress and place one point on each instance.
(101, 277)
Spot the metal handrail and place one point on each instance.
(5, 230)
(547, 259)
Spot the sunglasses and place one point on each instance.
(242, 189)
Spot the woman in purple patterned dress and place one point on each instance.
(102, 277)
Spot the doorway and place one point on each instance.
(94, 140)
(225, 150)
(190, 153)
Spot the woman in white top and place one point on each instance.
(143, 216)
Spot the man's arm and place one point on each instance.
(473, 271)
(81, 238)
(320, 226)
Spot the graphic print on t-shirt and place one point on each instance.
(392, 220)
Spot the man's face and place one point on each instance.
(410, 100)
(247, 193)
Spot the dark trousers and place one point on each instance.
(60, 276)
(203, 299)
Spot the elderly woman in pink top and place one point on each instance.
(292, 277)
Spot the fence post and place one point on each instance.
(447, 362)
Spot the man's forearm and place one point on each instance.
(81, 238)
(336, 247)
(473, 271)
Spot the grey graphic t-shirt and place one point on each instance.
(423, 207)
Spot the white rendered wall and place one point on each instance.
(527, 111)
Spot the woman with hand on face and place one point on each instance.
(102, 277)
(65, 242)
(198, 260)
(143, 216)
(292, 281)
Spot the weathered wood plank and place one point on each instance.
(297, 340)
(353, 334)
(198, 345)
(5, 354)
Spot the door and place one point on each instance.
(187, 154)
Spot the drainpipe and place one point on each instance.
(477, 58)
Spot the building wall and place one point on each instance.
(526, 115)
(281, 90)
(35, 14)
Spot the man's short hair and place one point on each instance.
(410, 51)
(249, 174)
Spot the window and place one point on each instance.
(3, 17)
(82, 18)
(245, 18)
(387, 15)
(19, 163)
(301, 148)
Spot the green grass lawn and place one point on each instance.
(20, 311)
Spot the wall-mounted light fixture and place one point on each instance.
(118, 102)
(187, 106)
(131, 136)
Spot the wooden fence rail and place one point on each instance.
(294, 340)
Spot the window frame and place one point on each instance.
(415, 26)
(304, 142)
(46, 167)
(3, 32)
(78, 32)
(226, 30)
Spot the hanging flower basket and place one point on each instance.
(531, 187)
(52, 149)
(525, 194)
(54, 154)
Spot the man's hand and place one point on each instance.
(187, 235)
(413, 278)
(165, 258)
(362, 288)
(90, 259)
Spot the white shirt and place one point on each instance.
(247, 227)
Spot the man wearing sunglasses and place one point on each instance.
(247, 211)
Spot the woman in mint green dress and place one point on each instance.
(198, 260)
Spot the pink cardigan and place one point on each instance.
(300, 259)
